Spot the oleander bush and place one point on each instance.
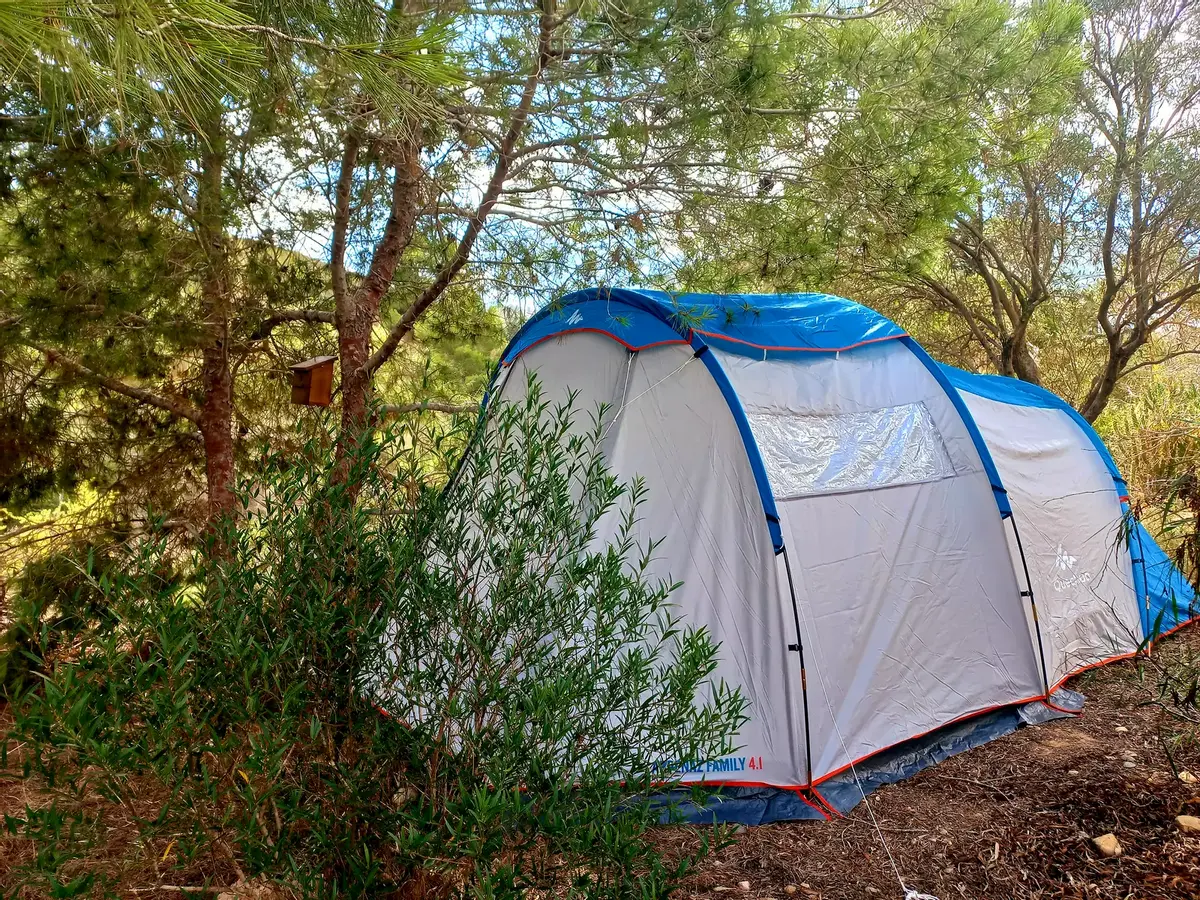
(373, 683)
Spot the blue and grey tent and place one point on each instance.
(886, 548)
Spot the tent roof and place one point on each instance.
(748, 324)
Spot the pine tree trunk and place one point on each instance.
(216, 407)
(354, 347)
(356, 317)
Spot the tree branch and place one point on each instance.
(988, 343)
(267, 325)
(176, 407)
(1162, 359)
(475, 224)
(341, 215)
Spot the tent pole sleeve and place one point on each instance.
(1037, 625)
(787, 565)
(757, 466)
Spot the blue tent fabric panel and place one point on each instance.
(738, 805)
(1169, 600)
(780, 324)
(989, 466)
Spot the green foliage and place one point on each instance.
(56, 599)
(875, 142)
(121, 61)
(534, 682)
(1048, 271)
(1154, 435)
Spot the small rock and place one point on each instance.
(1072, 771)
(1121, 729)
(1187, 777)
(790, 889)
(1129, 764)
(744, 885)
(1108, 845)
(1188, 824)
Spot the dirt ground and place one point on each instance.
(1011, 819)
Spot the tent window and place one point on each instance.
(851, 452)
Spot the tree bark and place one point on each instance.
(358, 310)
(1017, 356)
(216, 408)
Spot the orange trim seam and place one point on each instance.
(1095, 665)
(725, 337)
(607, 334)
(829, 806)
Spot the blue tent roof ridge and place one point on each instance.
(748, 324)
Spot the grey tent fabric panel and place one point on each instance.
(1072, 531)
(910, 609)
(670, 425)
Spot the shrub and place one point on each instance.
(55, 598)
(533, 675)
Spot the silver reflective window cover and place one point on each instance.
(807, 454)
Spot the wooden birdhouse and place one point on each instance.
(312, 381)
